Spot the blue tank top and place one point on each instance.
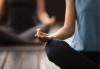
(87, 32)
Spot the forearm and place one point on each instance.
(62, 34)
(69, 25)
(40, 6)
(1, 7)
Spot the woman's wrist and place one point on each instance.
(51, 37)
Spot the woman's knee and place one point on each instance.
(56, 49)
(53, 45)
(56, 46)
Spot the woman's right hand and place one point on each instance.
(42, 36)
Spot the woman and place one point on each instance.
(84, 50)
(20, 27)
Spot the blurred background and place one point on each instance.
(17, 50)
(57, 8)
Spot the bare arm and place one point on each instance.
(1, 7)
(68, 29)
(40, 6)
(42, 14)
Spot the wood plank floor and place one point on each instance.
(24, 58)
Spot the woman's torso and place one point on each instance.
(87, 33)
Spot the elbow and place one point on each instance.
(69, 32)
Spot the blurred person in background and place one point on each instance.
(84, 50)
(20, 18)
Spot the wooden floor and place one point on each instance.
(24, 58)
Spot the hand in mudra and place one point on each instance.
(42, 36)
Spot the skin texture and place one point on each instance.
(67, 29)
(1, 7)
(42, 14)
